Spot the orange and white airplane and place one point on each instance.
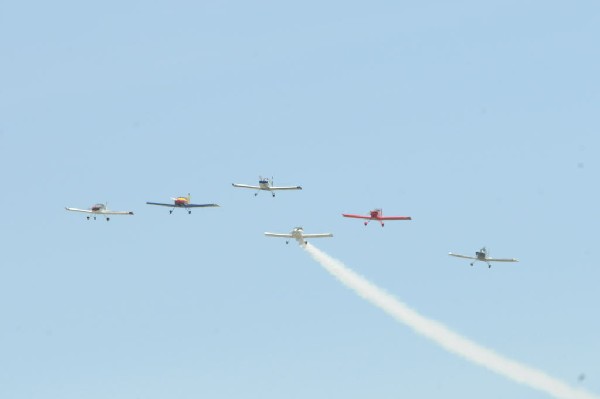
(99, 209)
(182, 202)
(376, 214)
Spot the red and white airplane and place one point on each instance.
(376, 214)
(182, 202)
(266, 185)
(99, 209)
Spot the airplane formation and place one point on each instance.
(265, 184)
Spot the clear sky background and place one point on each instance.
(478, 119)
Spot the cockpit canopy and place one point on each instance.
(481, 253)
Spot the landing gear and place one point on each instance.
(170, 211)
(273, 194)
(366, 223)
(189, 212)
(287, 242)
(489, 266)
(107, 219)
(472, 263)
(255, 194)
(88, 218)
(382, 224)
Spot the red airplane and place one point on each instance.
(376, 214)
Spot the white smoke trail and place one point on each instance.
(445, 337)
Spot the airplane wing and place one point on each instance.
(101, 212)
(274, 188)
(79, 210)
(348, 215)
(160, 204)
(245, 186)
(501, 260)
(461, 256)
(284, 235)
(320, 235)
(108, 212)
(394, 218)
(199, 205)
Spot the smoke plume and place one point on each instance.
(445, 337)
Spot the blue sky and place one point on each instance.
(478, 120)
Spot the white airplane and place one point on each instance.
(299, 235)
(266, 185)
(482, 256)
(99, 209)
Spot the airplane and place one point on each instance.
(482, 256)
(299, 235)
(376, 214)
(266, 184)
(99, 209)
(182, 202)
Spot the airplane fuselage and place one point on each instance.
(181, 201)
(375, 214)
(264, 184)
(98, 207)
(298, 236)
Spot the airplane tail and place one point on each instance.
(189, 198)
